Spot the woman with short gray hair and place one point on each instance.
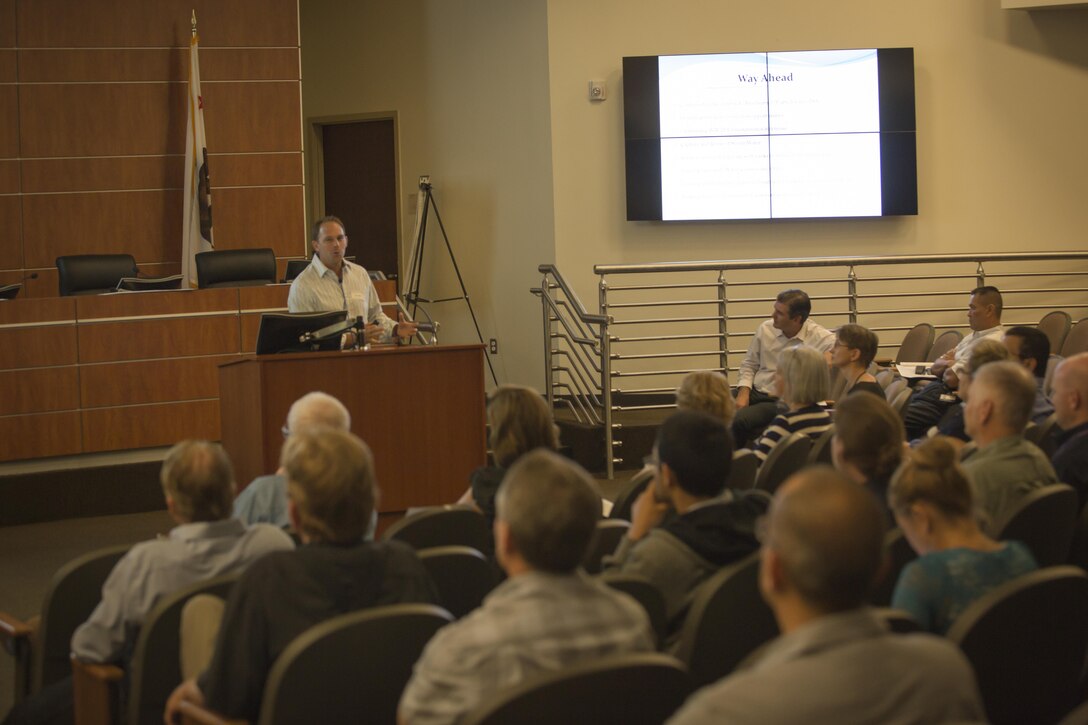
(801, 381)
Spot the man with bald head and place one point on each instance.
(1070, 398)
(1001, 464)
(265, 499)
(835, 661)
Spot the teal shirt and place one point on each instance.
(937, 587)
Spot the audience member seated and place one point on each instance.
(1070, 396)
(789, 327)
(265, 499)
(198, 484)
(1031, 347)
(520, 421)
(1002, 465)
(714, 527)
(802, 381)
(331, 492)
(835, 661)
(929, 403)
(868, 444)
(707, 391)
(854, 350)
(951, 424)
(933, 505)
(546, 616)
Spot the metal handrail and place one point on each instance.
(599, 340)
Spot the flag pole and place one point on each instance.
(194, 22)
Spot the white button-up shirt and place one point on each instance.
(318, 289)
(757, 370)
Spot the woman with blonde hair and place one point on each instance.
(802, 381)
(520, 421)
(933, 505)
(707, 391)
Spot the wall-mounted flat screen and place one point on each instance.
(785, 135)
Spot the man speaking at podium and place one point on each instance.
(333, 283)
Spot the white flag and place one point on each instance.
(196, 230)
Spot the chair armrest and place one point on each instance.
(95, 693)
(17, 637)
(193, 714)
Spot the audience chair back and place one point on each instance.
(743, 472)
(785, 459)
(93, 274)
(1055, 325)
(1078, 716)
(1078, 550)
(885, 377)
(1048, 379)
(625, 500)
(727, 620)
(350, 668)
(236, 268)
(1077, 340)
(454, 525)
(916, 343)
(897, 554)
(1042, 434)
(76, 589)
(821, 448)
(645, 593)
(894, 388)
(156, 670)
(901, 401)
(944, 342)
(632, 689)
(1044, 521)
(605, 540)
(1027, 640)
(462, 575)
(897, 621)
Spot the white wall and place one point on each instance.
(1002, 99)
(491, 99)
(468, 80)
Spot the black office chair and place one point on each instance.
(897, 553)
(1026, 641)
(727, 621)
(294, 268)
(452, 525)
(743, 471)
(631, 689)
(1044, 520)
(786, 458)
(236, 268)
(916, 343)
(93, 274)
(643, 591)
(605, 540)
(821, 448)
(462, 575)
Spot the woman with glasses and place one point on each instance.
(854, 350)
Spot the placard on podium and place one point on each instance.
(421, 409)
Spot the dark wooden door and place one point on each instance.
(361, 189)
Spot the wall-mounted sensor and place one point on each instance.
(598, 91)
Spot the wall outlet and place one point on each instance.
(493, 346)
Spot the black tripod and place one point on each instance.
(415, 269)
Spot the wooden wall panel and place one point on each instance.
(98, 307)
(259, 217)
(103, 174)
(151, 339)
(7, 23)
(135, 23)
(144, 426)
(32, 347)
(96, 65)
(254, 169)
(145, 223)
(236, 117)
(269, 297)
(11, 233)
(7, 66)
(45, 285)
(9, 122)
(39, 390)
(102, 119)
(39, 436)
(58, 309)
(9, 177)
(153, 381)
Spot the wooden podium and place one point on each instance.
(419, 408)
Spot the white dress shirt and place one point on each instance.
(318, 289)
(757, 370)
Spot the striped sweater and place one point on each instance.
(812, 420)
